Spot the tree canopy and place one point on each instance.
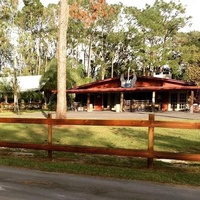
(107, 40)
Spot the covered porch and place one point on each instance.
(147, 94)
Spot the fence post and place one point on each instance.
(49, 135)
(150, 140)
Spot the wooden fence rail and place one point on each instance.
(149, 153)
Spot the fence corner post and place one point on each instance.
(49, 135)
(150, 140)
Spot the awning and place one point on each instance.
(134, 89)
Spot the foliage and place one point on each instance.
(86, 15)
(6, 88)
(32, 13)
(30, 22)
(7, 9)
(157, 26)
(186, 53)
(31, 96)
(107, 39)
(193, 74)
(75, 75)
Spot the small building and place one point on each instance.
(29, 83)
(24, 83)
(142, 93)
(9, 100)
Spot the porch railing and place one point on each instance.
(140, 105)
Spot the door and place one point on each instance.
(98, 102)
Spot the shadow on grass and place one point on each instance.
(45, 114)
(186, 141)
(173, 140)
(31, 133)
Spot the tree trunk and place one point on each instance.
(15, 87)
(61, 72)
(89, 59)
(112, 65)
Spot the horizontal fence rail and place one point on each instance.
(99, 122)
(149, 153)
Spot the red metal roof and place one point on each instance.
(143, 83)
(139, 79)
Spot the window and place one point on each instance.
(183, 101)
(174, 100)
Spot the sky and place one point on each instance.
(192, 8)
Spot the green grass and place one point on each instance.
(173, 140)
(109, 166)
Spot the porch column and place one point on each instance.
(109, 106)
(88, 102)
(153, 100)
(121, 101)
(191, 101)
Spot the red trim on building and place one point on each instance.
(167, 94)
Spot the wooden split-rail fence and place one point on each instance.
(149, 153)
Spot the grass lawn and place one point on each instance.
(177, 172)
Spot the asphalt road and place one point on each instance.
(168, 115)
(23, 184)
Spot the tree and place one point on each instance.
(157, 26)
(193, 74)
(5, 48)
(188, 49)
(29, 19)
(76, 76)
(6, 88)
(105, 42)
(49, 35)
(97, 8)
(90, 13)
(31, 96)
(61, 72)
(7, 11)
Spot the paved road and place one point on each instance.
(134, 115)
(22, 184)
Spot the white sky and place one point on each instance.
(192, 8)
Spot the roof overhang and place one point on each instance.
(134, 89)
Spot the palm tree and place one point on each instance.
(6, 88)
(76, 75)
